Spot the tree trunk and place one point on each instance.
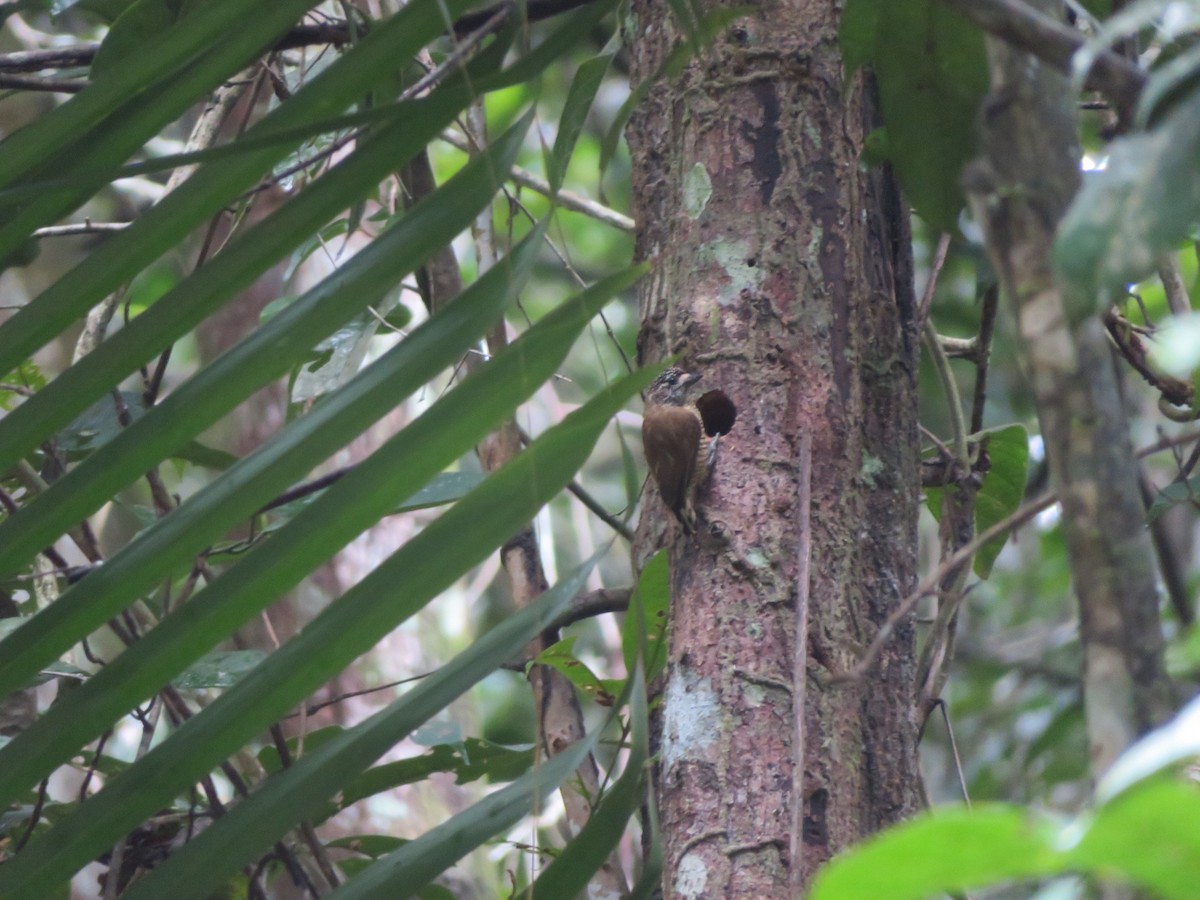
(782, 273)
(1020, 188)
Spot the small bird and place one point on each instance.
(672, 434)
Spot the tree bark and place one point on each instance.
(782, 273)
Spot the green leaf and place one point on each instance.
(1165, 82)
(352, 504)
(445, 488)
(857, 30)
(645, 624)
(143, 24)
(264, 355)
(578, 104)
(27, 375)
(295, 793)
(932, 74)
(1001, 492)
(426, 857)
(220, 669)
(561, 657)
(167, 223)
(1143, 203)
(98, 424)
(1150, 836)
(910, 861)
(1175, 493)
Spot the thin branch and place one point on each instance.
(566, 199)
(44, 85)
(983, 354)
(52, 58)
(929, 584)
(935, 269)
(1174, 287)
(77, 228)
(535, 11)
(1029, 29)
(453, 63)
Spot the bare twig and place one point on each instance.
(566, 199)
(983, 354)
(1169, 273)
(44, 85)
(935, 269)
(77, 228)
(930, 583)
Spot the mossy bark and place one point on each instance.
(782, 272)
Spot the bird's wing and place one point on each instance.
(671, 437)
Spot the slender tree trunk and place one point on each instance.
(782, 273)
(1021, 186)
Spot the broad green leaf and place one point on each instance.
(1164, 84)
(294, 794)
(911, 861)
(98, 424)
(1143, 203)
(445, 488)
(1149, 836)
(575, 112)
(144, 23)
(1130, 19)
(561, 657)
(1002, 490)
(857, 30)
(653, 598)
(1175, 493)
(261, 357)
(932, 75)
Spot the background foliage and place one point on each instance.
(276, 428)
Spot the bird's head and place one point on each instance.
(671, 387)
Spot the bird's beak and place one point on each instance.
(690, 379)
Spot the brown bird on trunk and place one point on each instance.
(672, 436)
